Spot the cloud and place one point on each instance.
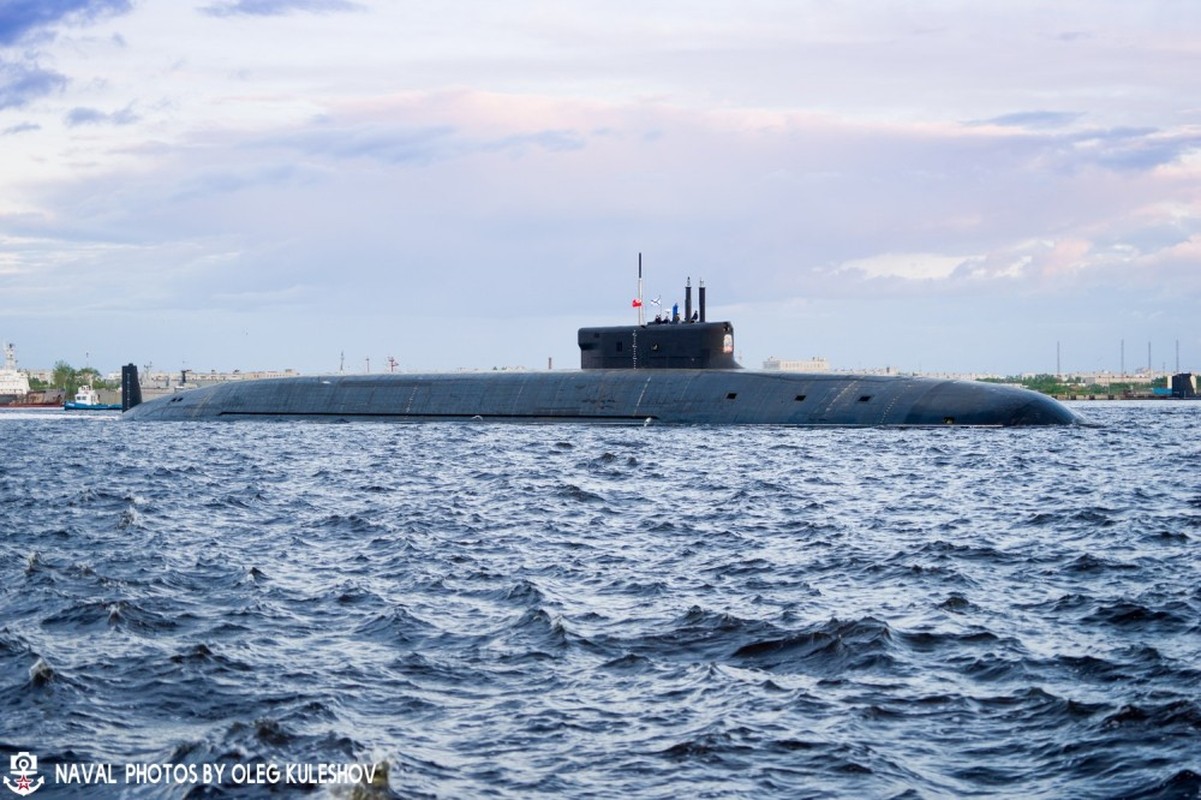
(390, 143)
(396, 143)
(911, 266)
(21, 83)
(18, 18)
(865, 203)
(1137, 149)
(1117, 148)
(1033, 119)
(274, 8)
(90, 116)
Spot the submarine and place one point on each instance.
(677, 371)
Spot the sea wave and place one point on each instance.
(514, 611)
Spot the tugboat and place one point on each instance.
(86, 399)
(675, 371)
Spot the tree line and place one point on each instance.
(69, 379)
(1056, 385)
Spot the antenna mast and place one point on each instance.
(641, 316)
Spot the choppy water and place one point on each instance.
(517, 611)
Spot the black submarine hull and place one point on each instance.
(618, 396)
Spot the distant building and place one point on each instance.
(1107, 379)
(815, 364)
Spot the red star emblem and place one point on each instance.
(23, 782)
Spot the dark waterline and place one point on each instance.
(515, 611)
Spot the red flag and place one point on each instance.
(636, 303)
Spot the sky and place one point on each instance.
(989, 186)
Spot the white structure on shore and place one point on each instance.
(14, 384)
(815, 364)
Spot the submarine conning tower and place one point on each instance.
(688, 342)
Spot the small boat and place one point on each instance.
(50, 398)
(86, 399)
